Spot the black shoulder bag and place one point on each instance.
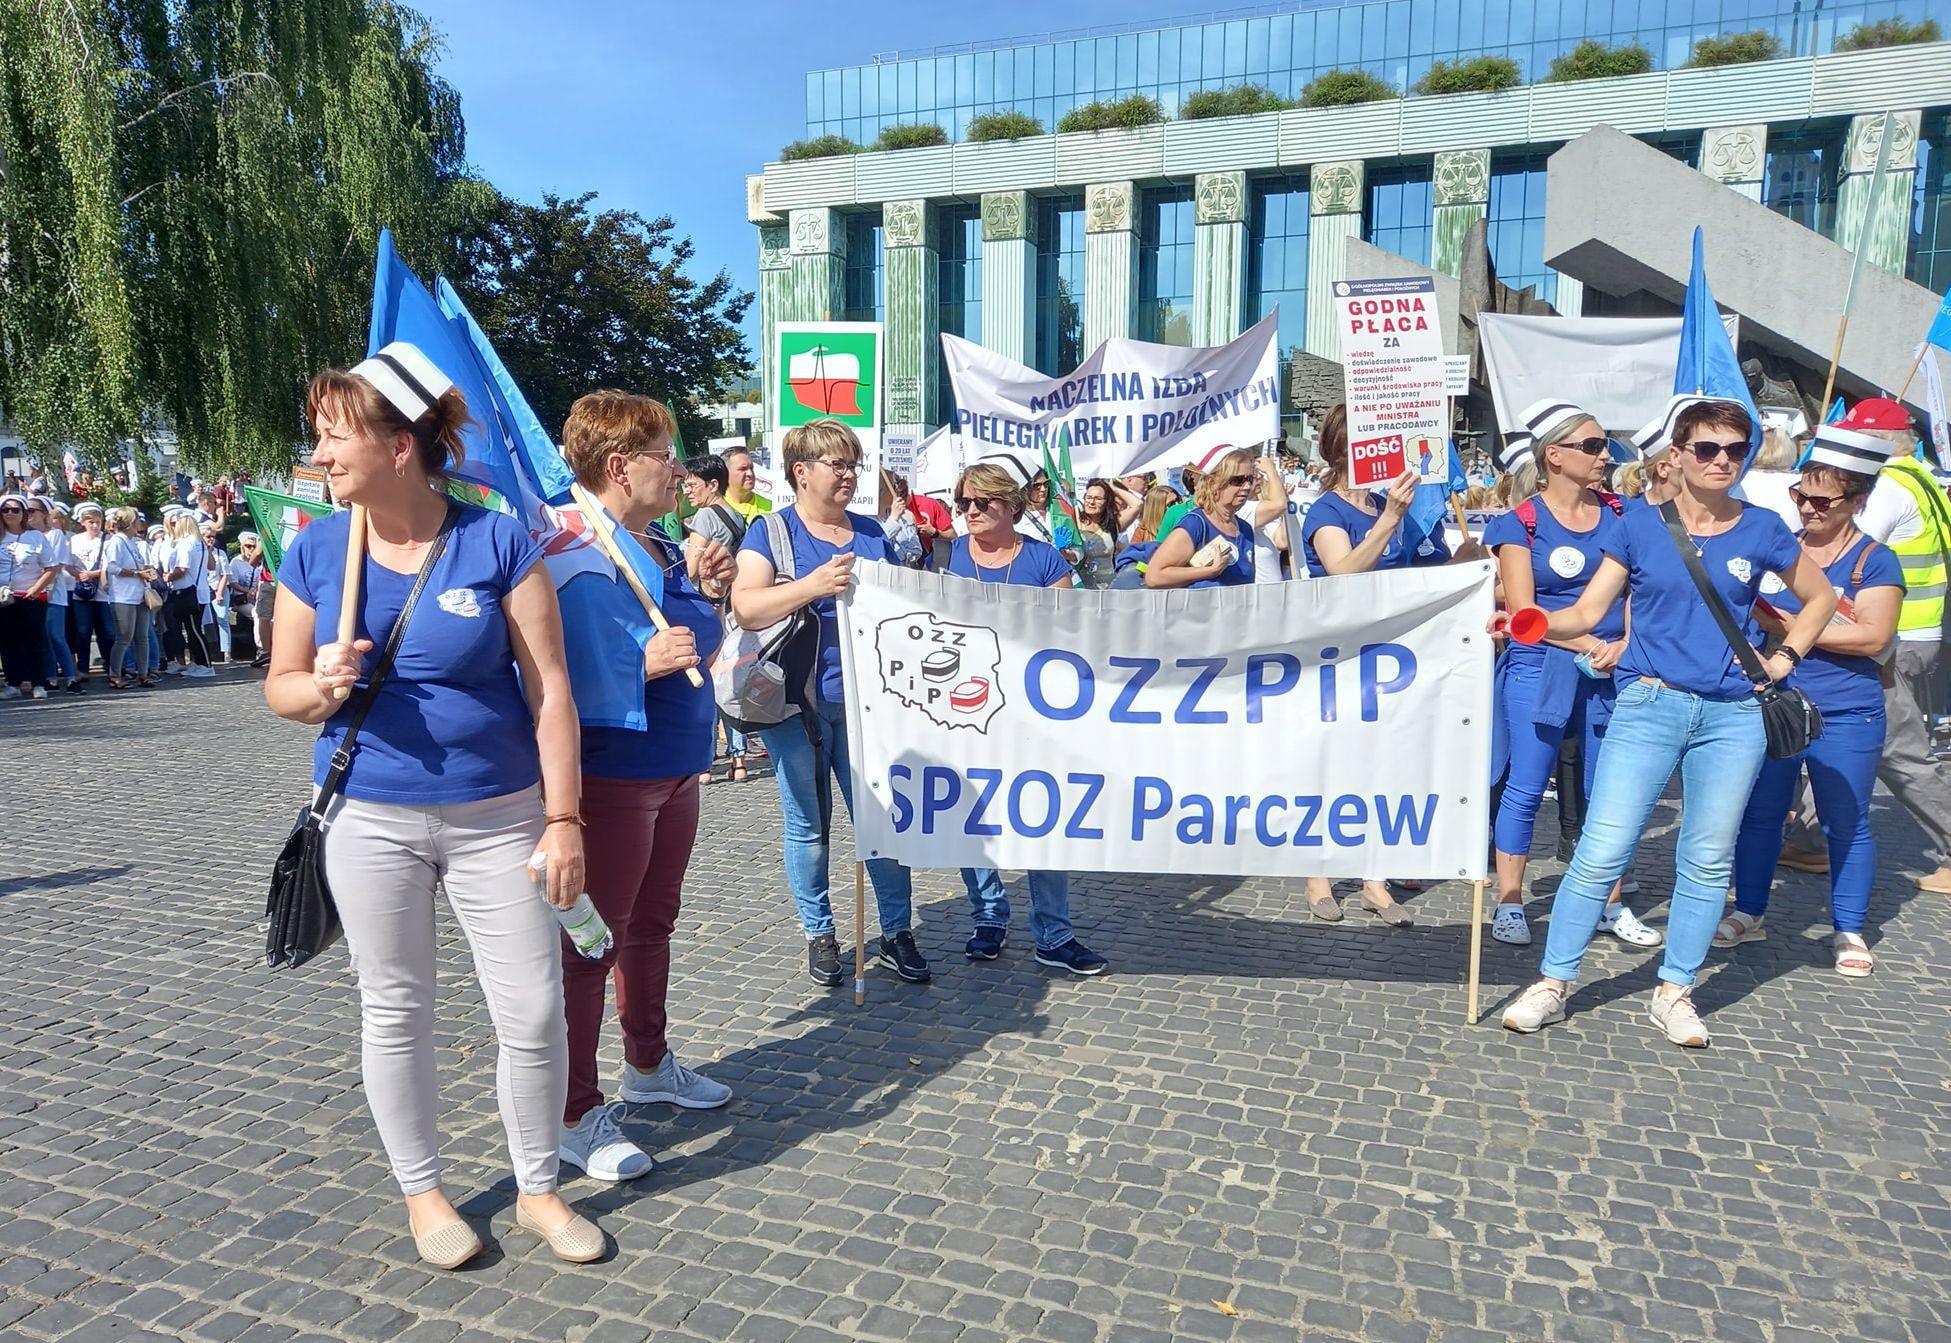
(1787, 716)
(302, 918)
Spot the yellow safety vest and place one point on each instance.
(1923, 556)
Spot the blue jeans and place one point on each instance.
(1049, 903)
(1718, 746)
(804, 797)
(61, 660)
(1842, 771)
(94, 622)
(735, 744)
(1534, 751)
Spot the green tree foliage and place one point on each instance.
(910, 137)
(1338, 88)
(819, 147)
(1592, 59)
(1238, 101)
(1485, 74)
(1888, 33)
(1002, 126)
(1736, 48)
(1125, 114)
(575, 300)
(191, 199)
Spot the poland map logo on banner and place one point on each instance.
(945, 670)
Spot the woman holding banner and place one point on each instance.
(809, 750)
(1683, 704)
(1548, 548)
(1211, 545)
(640, 784)
(1843, 680)
(991, 501)
(462, 773)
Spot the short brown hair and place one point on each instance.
(993, 482)
(808, 443)
(436, 434)
(607, 421)
(1850, 484)
(1721, 414)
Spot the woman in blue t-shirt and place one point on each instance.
(1548, 548)
(448, 780)
(646, 739)
(991, 501)
(1683, 704)
(808, 749)
(1840, 676)
(1209, 546)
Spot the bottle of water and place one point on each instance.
(587, 931)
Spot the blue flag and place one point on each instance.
(511, 464)
(1707, 366)
(1432, 502)
(1940, 332)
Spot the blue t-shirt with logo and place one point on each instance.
(1202, 531)
(1331, 510)
(680, 720)
(1841, 682)
(450, 724)
(869, 542)
(1562, 563)
(1674, 636)
(1037, 565)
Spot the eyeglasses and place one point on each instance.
(976, 504)
(839, 468)
(1591, 447)
(1237, 481)
(1821, 503)
(1706, 451)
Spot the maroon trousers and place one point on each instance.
(638, 837)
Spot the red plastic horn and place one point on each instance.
(1529, 624)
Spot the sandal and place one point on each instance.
(114, 684)
(1386, 910)
(738, 774)
(1853, 959)
(1737, 928)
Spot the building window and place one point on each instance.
(1276, 275)
(958, 287)
(1681, 145)
(1517, 222)
(1930, 217)
(863, 294)
(1800, 176)
(1400, 215)
(1059, 284)
(1165, 233)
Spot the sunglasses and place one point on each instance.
(1591, 447)
(1706, 451)
(1237, 481)
(1821, 503)
(976, 504)
(11, 508)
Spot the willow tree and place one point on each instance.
(194, 236)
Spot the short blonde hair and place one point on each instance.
(1232, 464)
(993, 482)
(121, 519)
(609, 421)
(808, 443)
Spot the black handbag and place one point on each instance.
(301, 916)
(1787, 715)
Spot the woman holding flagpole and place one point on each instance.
(640, 780)
(462, 773)
(1683, 704)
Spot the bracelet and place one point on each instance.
(574, 818)
(1794, 658)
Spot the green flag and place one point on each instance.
(279, 518)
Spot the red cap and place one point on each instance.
(1877, 412)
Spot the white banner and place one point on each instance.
(1132, 406)
(1338, 727)
(1619, 368)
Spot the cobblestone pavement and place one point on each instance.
(1255, 1128)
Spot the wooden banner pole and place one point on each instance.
(1476, 948)
(1915, 364)
(599, 525)
(860, 933)
(355, 573)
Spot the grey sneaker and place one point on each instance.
(671, 1083)
(1509, 925)
(1536, 1008)
(1674, 1013)
(597, 1147)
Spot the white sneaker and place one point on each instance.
(9, 692)
(200, 673)
(597, 1147)
(38, 692)
(1535, 1008)
(172, 669)
(1674, 1014)
(1508, 924)
(1625, 926)
(671, 1083)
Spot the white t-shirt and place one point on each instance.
(1266, 559)
(193, 557)
(59, 555)
(123, 558)
(1892, 515)
(86, 551)
(243, 574)
(23, 558)
(1769, 490)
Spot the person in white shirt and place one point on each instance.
(127, 569)
(241, 585)
(94, 622)
(1266, 514)
(186, 572)
(216, 610)
(24, 580)
(49, 517)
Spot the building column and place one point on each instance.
(1571, 296)
(775, 294)
(1009, 274)
(1218, 257)
(1734, 156)
(911, 277)
(1461, 191)
(1335, 195)
(1888, 245)
(819, 266)
(1110, 262)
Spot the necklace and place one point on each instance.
(1008, 567)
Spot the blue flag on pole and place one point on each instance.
(511, 464)
(1707, 366)
(1940, 332)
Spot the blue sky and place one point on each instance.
(664, 106)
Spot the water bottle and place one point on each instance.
(587, 931)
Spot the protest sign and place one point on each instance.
(310, 484)
(822, 369)
(1339, 727)
(1131, 407)
(1392, 360)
